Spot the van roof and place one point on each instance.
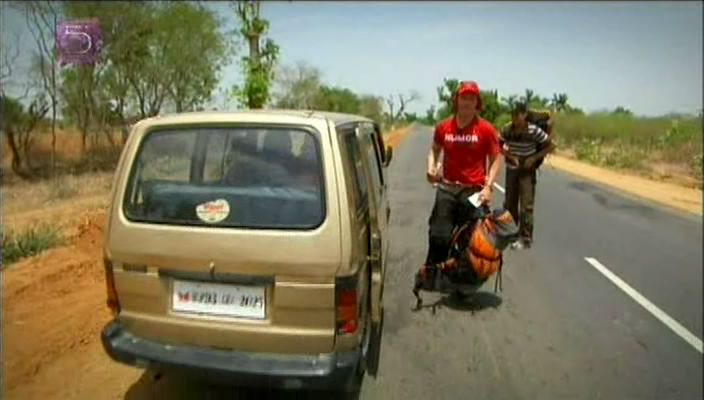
(263, 115)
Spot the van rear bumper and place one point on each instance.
(324, 371)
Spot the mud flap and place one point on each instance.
(377, 291)
(374, 354)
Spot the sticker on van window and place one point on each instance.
(213, 211)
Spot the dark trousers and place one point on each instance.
(449, 210)
(520, 189)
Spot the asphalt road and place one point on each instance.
(559, 330)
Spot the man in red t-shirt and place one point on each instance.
(467, 142)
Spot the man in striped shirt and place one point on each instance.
(523, 144)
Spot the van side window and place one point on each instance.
(355, 153)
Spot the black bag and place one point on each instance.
(543, 119)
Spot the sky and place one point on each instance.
(645, 56)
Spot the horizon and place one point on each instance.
(644, 56)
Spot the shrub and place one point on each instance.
(29, 242)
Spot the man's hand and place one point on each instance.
(485, 195)
(432, 175)
(529, 162)
(512, 161)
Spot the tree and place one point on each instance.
(410, 117)
(18, 125)
(430, 116)
(156, 55)
(396, 110)
(297, 86)
(492, 108)
(445, 96)
(41, 18)
(337, 99)
(529, 96)
(258, 67)
(510, 101)
(79, 98)
(620, 110)
(371, 107)
(9, 54)
(195, 53)
(559, 102)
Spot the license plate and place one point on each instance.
(218, 299)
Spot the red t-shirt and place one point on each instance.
(466, 151)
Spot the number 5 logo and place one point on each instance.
(77, 41)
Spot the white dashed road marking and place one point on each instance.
(676, 327)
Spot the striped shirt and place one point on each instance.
(526, 144)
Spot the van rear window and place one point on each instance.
(228, 177)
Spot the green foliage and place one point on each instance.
(258, 67)
(429, 118)
(337, 99)
(492, 106)
(622, 111)
(28, 243)
(410, 117)
(371, 107)
(300, 87)
(297, 85)
(12, 112)
(195, 54)
(559, 102)
(18, 126)
(588, 150)
(154, 53)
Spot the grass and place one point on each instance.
(29, 243)
(637, 143)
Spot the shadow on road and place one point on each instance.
(473, 303)
(178, 387)
(610, 201)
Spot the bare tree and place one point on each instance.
(8, 60)
(396, 110)
(41, 18)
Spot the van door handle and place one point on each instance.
(388, 213)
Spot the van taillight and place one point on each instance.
(346, 305)
(112, 301)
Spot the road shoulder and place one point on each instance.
(673, 196)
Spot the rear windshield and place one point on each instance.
(228, 177)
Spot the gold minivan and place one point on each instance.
(250, 246)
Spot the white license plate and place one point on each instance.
(218, 299)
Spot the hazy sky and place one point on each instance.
(646, 56)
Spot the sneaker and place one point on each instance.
(527, 243)
(517, 245)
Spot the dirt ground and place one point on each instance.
(53, 304)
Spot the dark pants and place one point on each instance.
(449, 210)
(520, 188)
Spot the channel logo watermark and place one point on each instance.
(79, 41)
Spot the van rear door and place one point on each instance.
(228, 236)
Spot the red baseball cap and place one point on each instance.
(470, 87)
